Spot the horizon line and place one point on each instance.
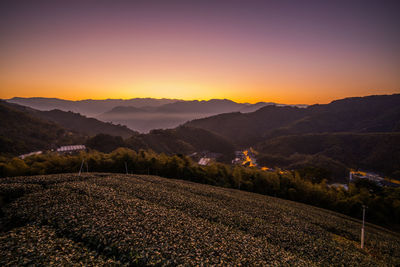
(182, 99)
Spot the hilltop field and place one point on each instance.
(104, 219)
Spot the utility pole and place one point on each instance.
(362, 229)
(80, 170)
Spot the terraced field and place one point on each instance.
(110, 219)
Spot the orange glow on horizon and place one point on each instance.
(288, 54)
(76, 92)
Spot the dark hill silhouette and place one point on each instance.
(377, 152)
(125, 109)
(361, 132)
(88, 107)
(88, 126)
(182, 140)
(214, 106)
(247, 129)
(363, 114)
(358, 114)
(76, 122)
(256, 106)
(22, 132)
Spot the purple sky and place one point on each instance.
(287, 51)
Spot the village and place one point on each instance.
(245, 158)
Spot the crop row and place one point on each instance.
(300, 229)
(128, 219)
(33, 245)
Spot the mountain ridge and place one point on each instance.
(171, 112)
(22, 132)
(88, 107)
(365, 114)
(25, 129)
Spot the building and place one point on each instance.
(204, 161)
(205, 157)
(337, 185)
(30, 154)
(71, 149)
(373, 177)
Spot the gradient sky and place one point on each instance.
(247, 51)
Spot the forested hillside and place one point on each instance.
(359, 132)
(88, 126)
(322, 141)
(21, 132)
(370, 151)
(181, 140)
(24, 129)
(361, 114)
(249, 128)
(76, 122)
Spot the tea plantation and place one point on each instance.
(102, 219)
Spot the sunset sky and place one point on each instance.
(248, 51)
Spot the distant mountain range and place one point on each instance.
(360, 132)
(144, 114)
(86, 107)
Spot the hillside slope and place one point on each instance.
(249, 128)
(359, 114)
(88, 126)
(182, 140)
(74, 121)
(369, 151)
(380, 113)
(140, 220)
(21, 132)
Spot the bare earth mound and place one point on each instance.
(104, 219)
